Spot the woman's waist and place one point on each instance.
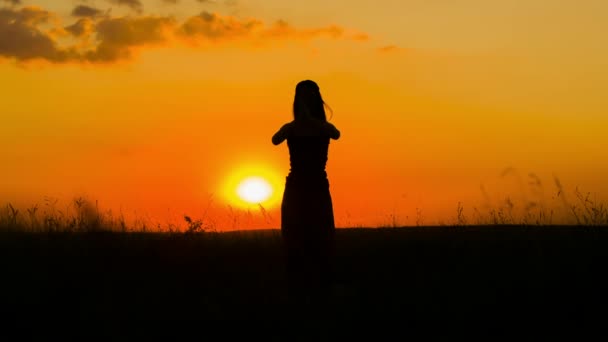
(307, 175)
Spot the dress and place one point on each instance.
(307, 219)
(307, 210)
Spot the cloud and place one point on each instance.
(117, 36)
(86, 11)
(32, 33)
(14, 2)
(135, 5)
(389, 49)
(82, 28)
(283, 30)
(215, 27)
(30, 16)
(21, 39)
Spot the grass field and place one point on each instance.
(475, 274)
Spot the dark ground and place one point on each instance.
(477, 276)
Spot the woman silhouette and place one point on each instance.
(307, 219)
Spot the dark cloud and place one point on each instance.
(86, 11)
(82, 28)
(135, 5)
(21, 39)
(117, 36)
(30, 16)
(213, 26)
(14, 2)
(33, 33)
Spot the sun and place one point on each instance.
(254, 190)
(248, 185)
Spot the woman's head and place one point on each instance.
(308, 101)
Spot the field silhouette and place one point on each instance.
(86, 266)
(470, 275)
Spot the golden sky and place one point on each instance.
(158, 107)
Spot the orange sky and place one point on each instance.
(155, 108)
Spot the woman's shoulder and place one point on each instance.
(311, 127)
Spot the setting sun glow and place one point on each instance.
(474, 104)
(254, 190)
(248, 185)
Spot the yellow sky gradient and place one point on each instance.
(433, 98)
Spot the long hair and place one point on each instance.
(308, 101)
